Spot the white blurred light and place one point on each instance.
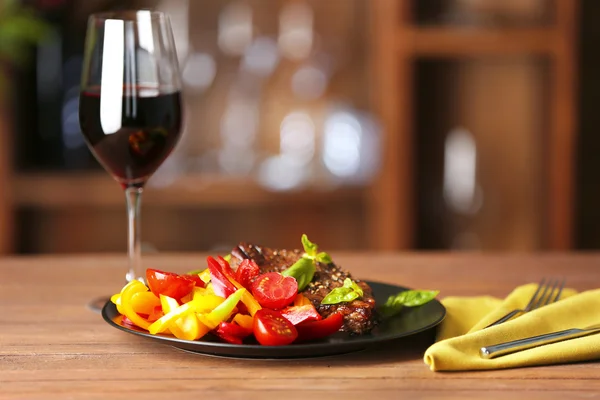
(342, 144)
(261, 56)
(236, 161)
(235, 28)
(72, 136)
(199, 71)
(309, 82)
(460, 165)
(296, 30)
(297, 141)
(239, 123)
(280, 173)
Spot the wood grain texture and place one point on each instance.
(53, 347)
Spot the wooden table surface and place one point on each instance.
(53, 347)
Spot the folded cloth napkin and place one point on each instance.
(461, 335)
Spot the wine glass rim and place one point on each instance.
(126, 15)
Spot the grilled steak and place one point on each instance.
(359, 315)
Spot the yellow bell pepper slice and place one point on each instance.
(190, 328)
(205, 275)
(144, 302)
(245, 321)
(168, 304)
(187, 327)
(223, 311)
(206, 303)
(249, 301)
(116, 300)
(163, 323)
(127, 294)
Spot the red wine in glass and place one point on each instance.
(130, 106)
(150, 128)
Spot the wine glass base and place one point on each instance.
(97, 304)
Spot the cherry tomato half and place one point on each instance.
(273, 290)
(246, 272)
(272, 329)
(169, 283)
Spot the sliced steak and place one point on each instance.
(359, 315)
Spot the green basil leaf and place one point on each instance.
(227, 258)
(303, 271)
(340, 295)
(309, 247)
(407, 298)
(345, 294)
(349, 283)
(323, 258)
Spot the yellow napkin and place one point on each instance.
(461, 335)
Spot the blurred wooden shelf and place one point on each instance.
(59, 190)
(461, 41)
(397, 42)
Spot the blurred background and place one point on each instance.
(367, 124)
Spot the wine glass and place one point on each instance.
(130, 108)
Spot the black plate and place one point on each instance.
(409, 322)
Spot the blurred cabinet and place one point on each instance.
(478, 103)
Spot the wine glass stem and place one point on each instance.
(134, 247)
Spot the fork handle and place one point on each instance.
(502, 349)
(507, 317)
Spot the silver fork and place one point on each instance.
(546, 293)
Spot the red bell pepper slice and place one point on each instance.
(299, 314)
(221, 285)
(229, 338)
(126, 322)
(232, 333)
(311, 330)
(156, 314)
(226, 268)
(199, 282)
(246, 272)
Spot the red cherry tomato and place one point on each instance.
(169, 283)
(310, 330)
(246, 272)
(272, 329)
(275, 291)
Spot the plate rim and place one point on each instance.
(358, 342)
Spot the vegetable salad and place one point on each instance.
(235, 305)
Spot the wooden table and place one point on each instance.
(53, 347)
